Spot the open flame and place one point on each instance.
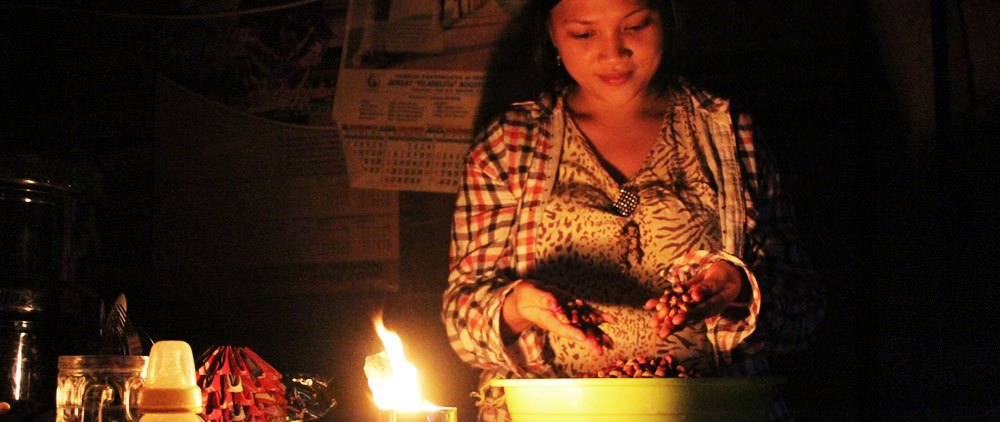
(392, 379)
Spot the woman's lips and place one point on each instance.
(616, 78)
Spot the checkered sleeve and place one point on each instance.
(793, 299)
(481, 263)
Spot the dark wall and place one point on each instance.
(890, 171)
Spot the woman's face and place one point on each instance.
(611, 48)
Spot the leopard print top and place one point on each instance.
(590, 252)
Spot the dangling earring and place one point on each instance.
(558, 60)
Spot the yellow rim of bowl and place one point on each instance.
(583, 382)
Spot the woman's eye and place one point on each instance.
(581, 35)
(638, 26)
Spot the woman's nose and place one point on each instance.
(614, 48)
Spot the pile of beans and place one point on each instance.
(641, 367)
(583, 316)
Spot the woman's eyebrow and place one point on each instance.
(589, 21)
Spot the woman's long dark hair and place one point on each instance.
(523, 64)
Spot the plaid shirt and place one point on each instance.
(508, 176)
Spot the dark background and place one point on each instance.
(882, 116)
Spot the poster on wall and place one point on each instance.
(263, 206)
(277, 61)
(410, 80)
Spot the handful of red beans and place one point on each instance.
(674, 300)
(588, 319)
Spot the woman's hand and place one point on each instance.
(528, 305)
(710, 292)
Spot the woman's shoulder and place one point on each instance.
(523, 127)
(535, 111)
(523, 121)
(703, 97)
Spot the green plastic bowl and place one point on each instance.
(638, 399)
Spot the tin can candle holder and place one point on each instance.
(437, 414)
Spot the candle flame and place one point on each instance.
(392, 379)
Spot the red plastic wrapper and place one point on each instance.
(237, 385)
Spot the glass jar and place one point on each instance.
(99, 388)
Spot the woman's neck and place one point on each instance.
(611, 115)
(621, 134)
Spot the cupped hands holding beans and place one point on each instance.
(708, 293)
(588, 319)
(715, 290)
(527, 304)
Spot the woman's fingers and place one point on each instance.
(556, 323)
(589, 319)
(710, 292)
(651, 304)
(574, 319)
(608, 317)
(705, 295)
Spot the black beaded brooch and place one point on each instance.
(626, 203)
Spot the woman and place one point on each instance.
(617, 183)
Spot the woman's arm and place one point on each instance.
(482, 263)
(793, 299)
